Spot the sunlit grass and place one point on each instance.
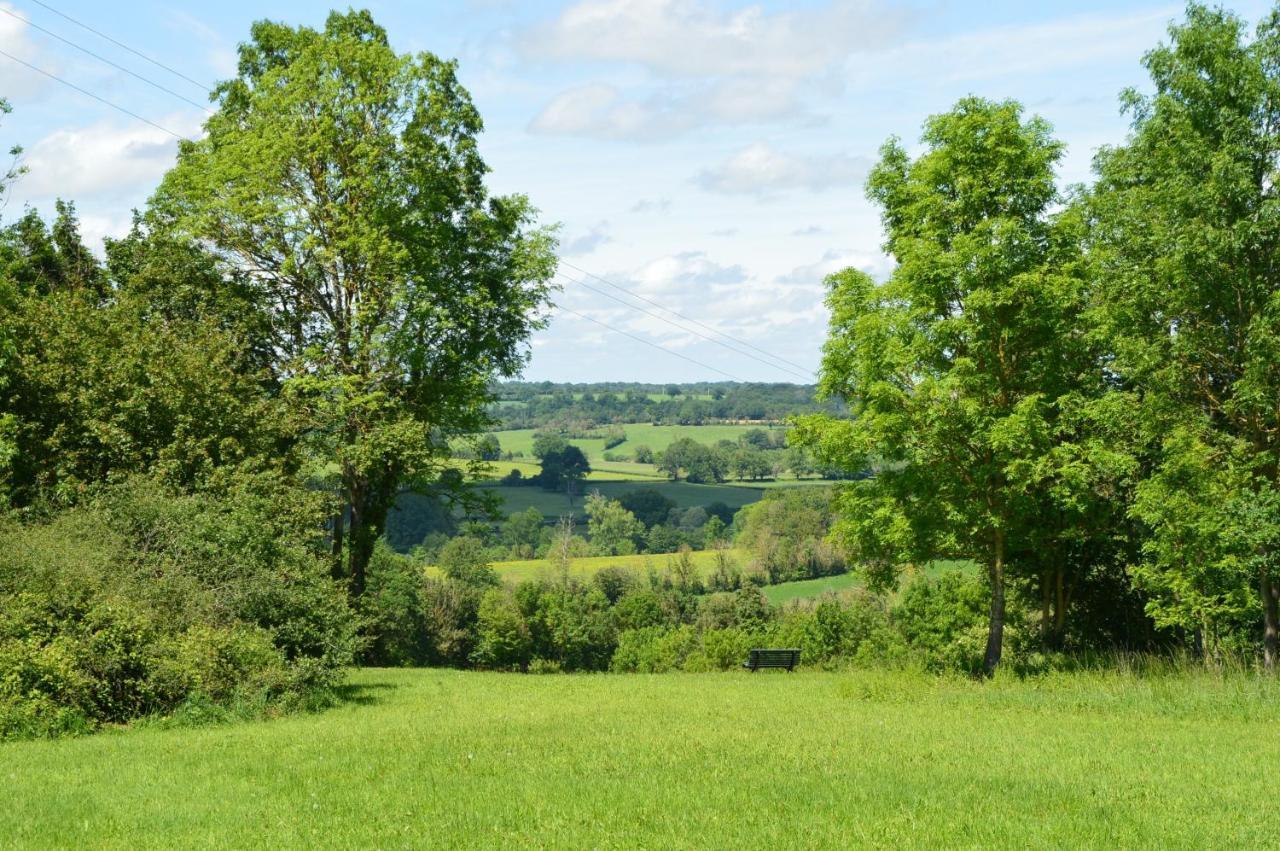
(448, 759)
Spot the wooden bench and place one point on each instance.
(762, 657)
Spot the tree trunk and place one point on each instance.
(1269, 589)
(1046, 623)
(1060, 611)
(995, 631)
(339, 528)
(357, 542)
(370, 502)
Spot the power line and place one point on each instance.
(104, 59)
(88, 93)
(806, 375)
(709, 339)
(808, 372)
(650, 343)
(121, 45)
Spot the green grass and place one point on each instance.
(808, 588)
(553, 504)
(704, 562)
(608, 471)
(447, 759)
(656, 437)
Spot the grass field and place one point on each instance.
(553, 504)
(448, 759)
(808, 588)
(656, 437)
(704, 562)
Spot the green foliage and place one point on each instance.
(504, 639)
(348, 178)
(466, 560)
(649, 505)
(611, 528)
(1189, 300)
(955, 366)
(395, 611)
(787, 534)
(145, 600)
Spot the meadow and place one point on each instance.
(704, 562)
(451, 759)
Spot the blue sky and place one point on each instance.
(705, 154)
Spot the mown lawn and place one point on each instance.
(447, 759)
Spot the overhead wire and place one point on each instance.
(677, 325)
(121, 45)
(105, 60)
(650, 343)
(636, 295)
(88, 93)
(774, 362)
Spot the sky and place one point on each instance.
(703, 159)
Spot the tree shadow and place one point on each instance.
(363, 694)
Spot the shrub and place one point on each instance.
(504, 640)
(144, 600)
(945, 621)
(653, 650)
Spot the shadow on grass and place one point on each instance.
(363, 694)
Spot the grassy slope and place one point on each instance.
(703, 560)
(805, 589)
(450, 759)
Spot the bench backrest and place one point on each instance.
(761, 657)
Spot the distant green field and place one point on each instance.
(704, 562)
(656, 437)
(863, 759)
(607, 472)
(683, 494)
(808, 588)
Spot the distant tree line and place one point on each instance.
(569, 407)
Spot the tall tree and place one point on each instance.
(345, 179)
(954, 366)
(1185, 240)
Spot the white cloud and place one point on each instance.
(103, 157)
(602, 111)
(1079, 41)
(16, 80)
(810, 276)
(688, 38)
(585, 243)
(646, 205)
(687, 274)
(715, 67)
(761, 169)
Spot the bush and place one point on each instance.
(144, 600)
(504, 640)
(945, 621)
(393, 610)
(653, 650)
